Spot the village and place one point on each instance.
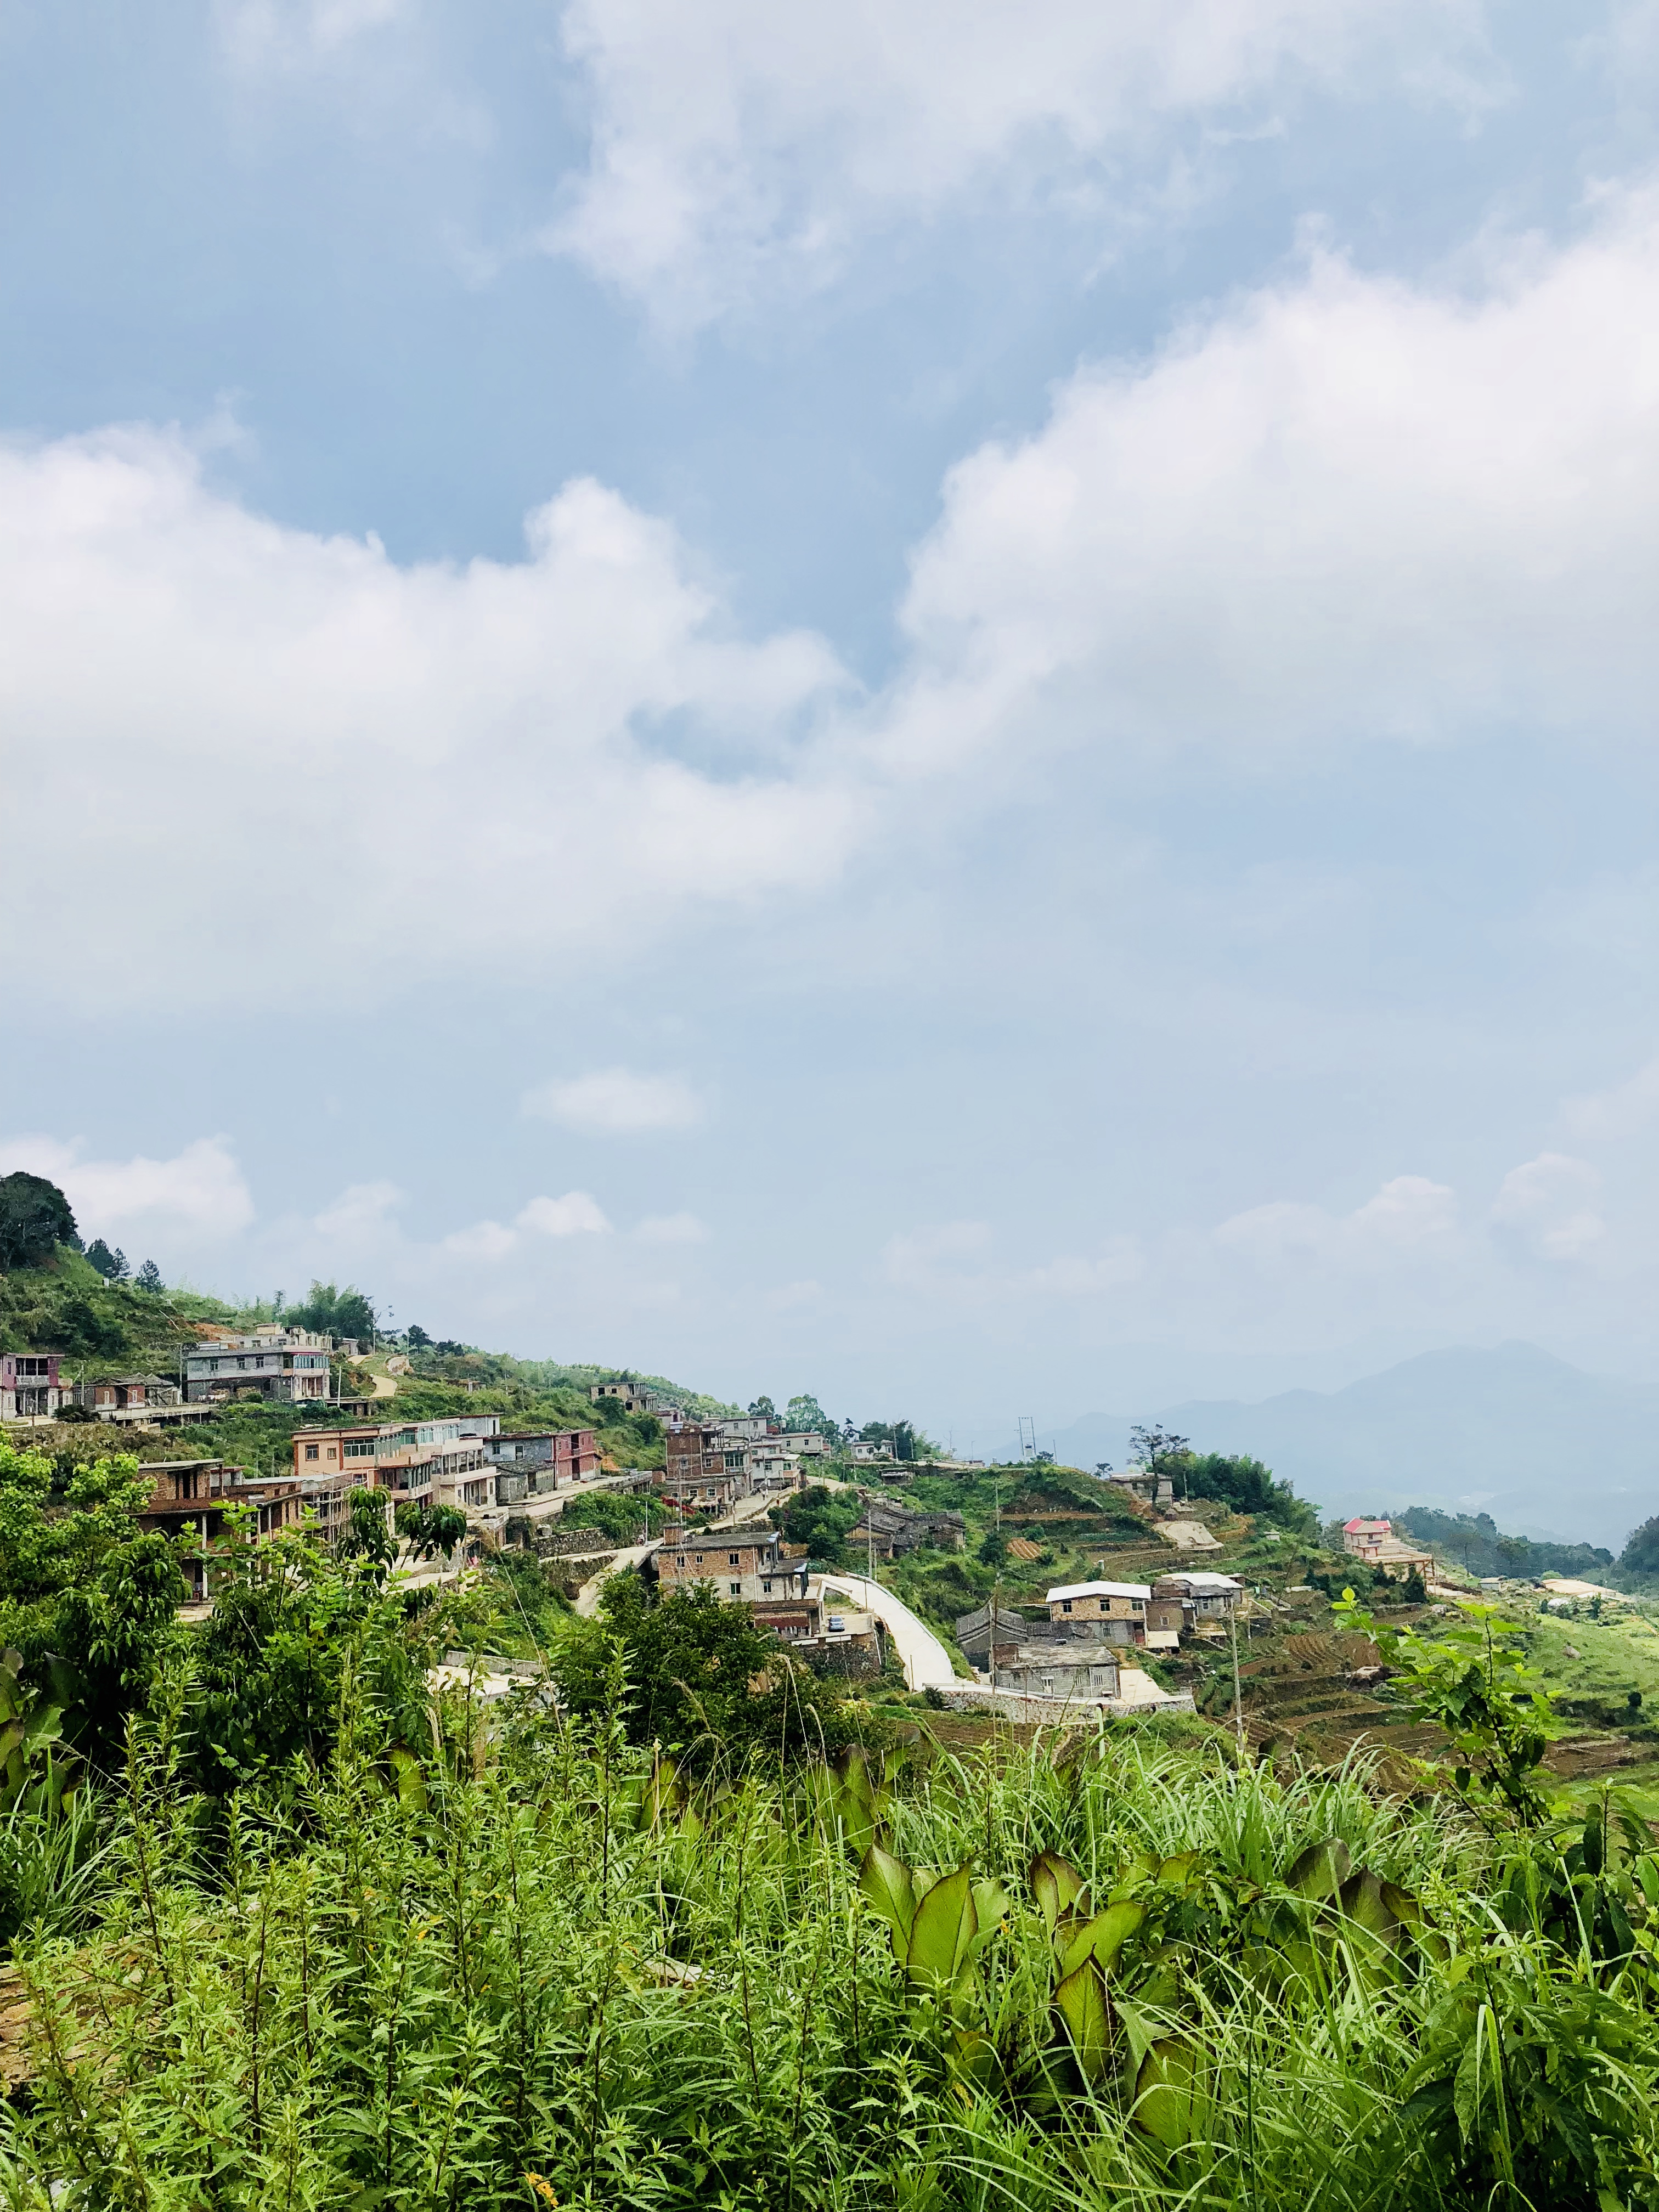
(454, 1489)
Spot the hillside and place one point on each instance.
(103, 1329)
(1547, 1449)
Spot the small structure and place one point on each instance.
(1145, 1483)
(289, 1366)
(890, 1529)
(125, 1394)
(29, 1387)
(1073, 1671)
(1203, 1602)
(990, 1631)
(633, 1397)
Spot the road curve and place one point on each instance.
(926, 1660)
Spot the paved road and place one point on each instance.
(925, 1658)
(587, 1597)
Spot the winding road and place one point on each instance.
(926, 1660)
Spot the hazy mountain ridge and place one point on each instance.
(1547, 1448)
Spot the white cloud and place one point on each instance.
(953, 1259)
(1546, 1205)
(1343, 507)
(671, 1229)
(1408, 1216)
(363, 1209)
(445, 762)
(740, 146)
(1619, 1112)
(613, 1100)
(200, 1191)
(484, 1240)
(576, 1214)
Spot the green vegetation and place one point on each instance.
(1475, 1542)
(658, 1953)
(287, 1928)
(820, 1518)
(34, 1219)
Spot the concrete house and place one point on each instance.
(29, 1387)
(1086, 1672)
(1144, 1483)
(1376, 1543)
(290, 1366)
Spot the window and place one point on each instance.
(699, 1558)
(1066, 1605)
(731, 1559)
(737, 1589)
(312, 1452)
(767, 1587)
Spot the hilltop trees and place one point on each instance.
(334, 1312)
(35, 1218)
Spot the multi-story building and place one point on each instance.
(288, 1365)
(1114, 1611)
(194, 1498)
(28, 1385)
(552, 1459)
(705, 1468)
(745, 1566)
(419, 1462)
(1376, 1543)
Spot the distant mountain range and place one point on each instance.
(1548, 1450)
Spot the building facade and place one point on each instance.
(1114, 1611)
(289, 1366)
(29, 1386)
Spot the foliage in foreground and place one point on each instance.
(534, 1961)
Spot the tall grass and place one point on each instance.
(524, 1991)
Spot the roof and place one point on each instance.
(1098, 1589)
(1365, 1521)
(1199, 1582)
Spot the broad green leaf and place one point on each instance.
(1056, 1885)
(1362, 1901)
(1080, 2000)
(943, 1929)
(1113, 1929)
(1140, 2030)
(1180, 1868)
(991, 1903)
(1321, 1870)
(1172, 2104)
(1102, 1937)
(887, 1883)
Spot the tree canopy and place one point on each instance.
(333, 1312)
(35, 1218)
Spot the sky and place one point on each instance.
(952, 707)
